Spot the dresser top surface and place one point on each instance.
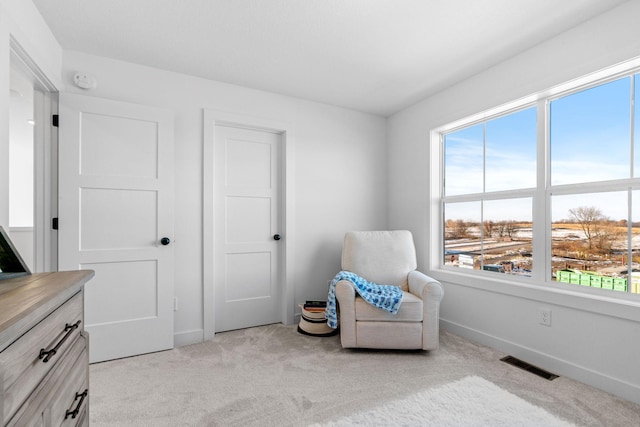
(26, 300)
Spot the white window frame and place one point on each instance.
(539, 286)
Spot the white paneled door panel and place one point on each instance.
(247, 252)
(115, 206)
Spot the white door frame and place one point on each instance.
(45, 139)
(211, 119)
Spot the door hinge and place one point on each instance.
(54, 120)
(54, 223)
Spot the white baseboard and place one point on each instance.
(188, 337)
(548, 362)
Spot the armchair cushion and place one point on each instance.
(384, 257)
(386, 297)
(410, 310)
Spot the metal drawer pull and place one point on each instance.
(46, 355)
(76, 411)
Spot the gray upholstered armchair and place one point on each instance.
(387, 257)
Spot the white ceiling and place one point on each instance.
(377, 56)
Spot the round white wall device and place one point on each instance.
(85, 81)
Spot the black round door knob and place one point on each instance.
(276, 237)
(165, 241)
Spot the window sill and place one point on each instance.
(609, 303)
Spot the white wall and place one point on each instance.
(5, 101)
(594, 342)
(339, 181)
(21, 21)
(22, 239)
(21, 152)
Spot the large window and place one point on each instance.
(549, 191)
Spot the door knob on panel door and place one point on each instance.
(165, 241)
(276, 237)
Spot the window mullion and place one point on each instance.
(541, 199)
(484, 190)
(630, 191)
(629, 240)
(631, 125)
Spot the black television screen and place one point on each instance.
(11, 263)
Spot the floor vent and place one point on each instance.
(529, 367)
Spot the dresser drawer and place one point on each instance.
(31, 357)
(71, 399)
(55, 401)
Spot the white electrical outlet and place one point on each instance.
(545, 316)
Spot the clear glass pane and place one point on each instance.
(589, 239)
(507, 245)
(463, 154)
(635, 242)
(511, 151)
(590, 134)
(462, 244)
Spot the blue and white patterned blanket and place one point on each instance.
(386, 297)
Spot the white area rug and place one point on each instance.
(469, 402)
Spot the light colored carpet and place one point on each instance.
(471, 401)
(274, 376)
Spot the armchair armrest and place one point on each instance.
(346, 297)
(424, 286)
(431, 292)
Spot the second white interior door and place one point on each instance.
(247, 238)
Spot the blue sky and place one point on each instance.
(510, 155)
(590, 134)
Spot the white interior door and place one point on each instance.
(247, 226)
(115, 207)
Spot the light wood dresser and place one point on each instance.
(44, 351)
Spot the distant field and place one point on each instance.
(574, 226)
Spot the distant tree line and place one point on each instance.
(500, 228)
(601, 233)
(460, 229)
